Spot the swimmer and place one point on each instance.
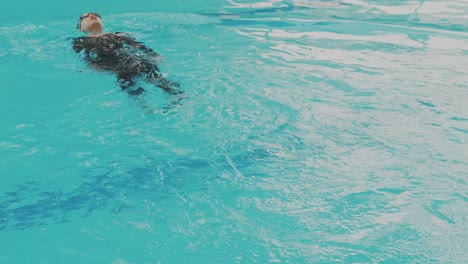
(120, 54)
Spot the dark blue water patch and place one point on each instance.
(464, 131)
(368, 249)
(392, 190)
(255, 12)
(363, 94)
(363, 46)
(456, 140)
(435, 208)
(261, 16)
(462, 197)
(238, 22)
(255, 155)
(401, 20)
(443, 26)
(426, 103)
(401, 238)
(400, 233)
(354, 205)
(364, 106)
(362, 197)
(457, 118)
(342, 86)
(419, 37)
(37, 204)
(25, 208)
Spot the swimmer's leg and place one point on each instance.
(168, 86)
(137, 91)
(129, 85)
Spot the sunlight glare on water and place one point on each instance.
(310, 132)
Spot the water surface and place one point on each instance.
(312, 132)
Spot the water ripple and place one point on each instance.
(312, 132)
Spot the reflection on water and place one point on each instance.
(380, 84)
(433, 14)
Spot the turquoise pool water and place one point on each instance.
(312, 132)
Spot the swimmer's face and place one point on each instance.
(91, 23)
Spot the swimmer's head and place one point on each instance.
(90, 23)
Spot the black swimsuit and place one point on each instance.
(124, 56)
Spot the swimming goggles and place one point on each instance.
(85, 15)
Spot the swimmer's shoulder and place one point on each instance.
(78, 43)
(122, 34)
(88, 42)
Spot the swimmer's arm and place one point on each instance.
(78, 45)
